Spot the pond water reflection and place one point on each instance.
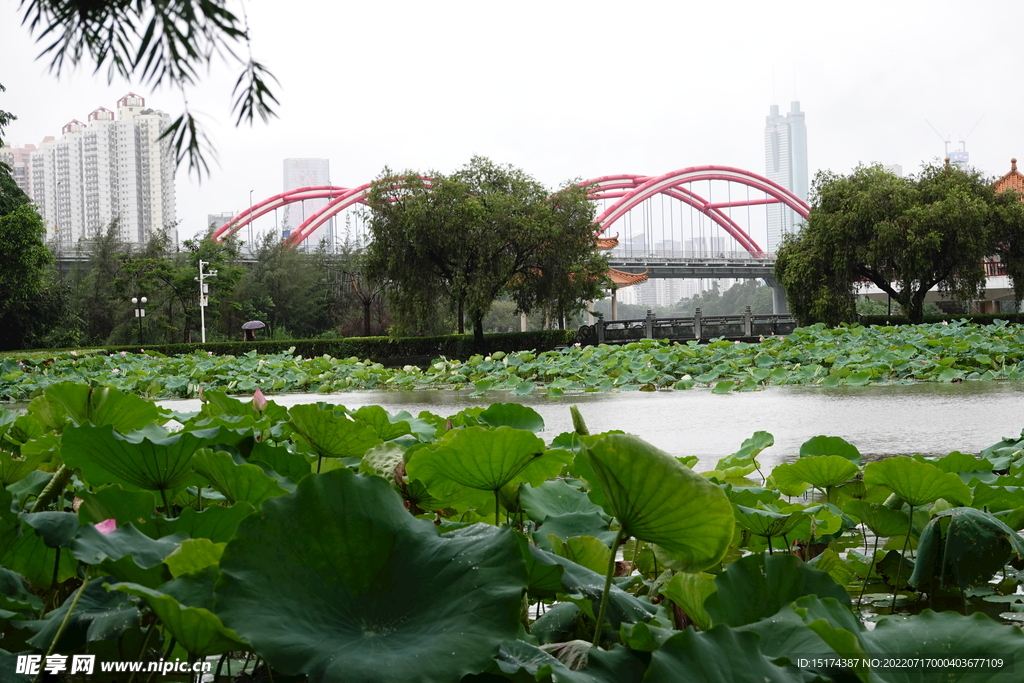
(930, 419)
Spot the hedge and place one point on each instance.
(379, 349)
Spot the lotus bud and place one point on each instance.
(200, 394)
(259, 401)
(106, 526)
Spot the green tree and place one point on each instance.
(23, 278)
(905, 235)
(466, 238)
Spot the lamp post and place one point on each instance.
(140, 313)
(204, 289)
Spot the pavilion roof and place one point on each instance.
(622, 279)
(1012, 180)
(606, 243)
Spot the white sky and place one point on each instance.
(566, 89)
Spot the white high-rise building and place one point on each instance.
(110, 167)
(300, 173)
(785, 158)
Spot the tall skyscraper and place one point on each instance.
(105, 169)
(307, 173)
(785, 159)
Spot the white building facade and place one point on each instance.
(785, 158)
(114, 166)
(299, 173)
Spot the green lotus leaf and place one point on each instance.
(571, 524)
(997, 498)
(577, 580)
(560, 623)
(554, 498)
(25, 552)
(218, 403)
(379, 596)
(284, 462)
(194, 555)
(963, 547)
(198, 631)
(829, 562)
(768, 523)
(689, 591)
(830, 445)
(617, 665)
(57, 529)
(750, 496)
(14, 596)
(514, 415)
(758, 586)
(330, 433)
(216, 523)
(932, 634)
(824, 471)
(658, 500)
(113, 502)
(14, 469)
(720, 655)
(384, 425)
(786, 482)
(239, 482)
(585, 551)
(482, 459)
(748, 452)
(881, 519)
(98, 615)
(126, 553)
(917, 483)
(82, 404)
(808, 625)
(154, 464)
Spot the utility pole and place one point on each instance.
(204, 290)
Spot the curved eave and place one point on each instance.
(622, 279)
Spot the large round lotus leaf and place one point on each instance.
(81, 404)
(824, 471)
(106, 457)
(963, 547)
(483, 459)
(947, 634)
(514, 415)
(917, 483)
(720, 655)
(768, 523)
(881, 519)
(330, 433)
(338, 581)
(657, 499)
(758, 586)
(554, 498)
(830, 445)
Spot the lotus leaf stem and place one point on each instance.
(903, 556)
(607, 587)
(65, 621)
(142, 650)
(871, 565)
(54, 488)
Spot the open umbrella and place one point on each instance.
(253, 325)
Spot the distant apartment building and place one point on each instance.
(113, 166)
(785, 157)
(299, 173)
(19, 159)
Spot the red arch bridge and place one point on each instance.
(705, 222)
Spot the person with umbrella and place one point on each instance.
(249, 330)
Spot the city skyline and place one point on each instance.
(785, 161)
(531, 96)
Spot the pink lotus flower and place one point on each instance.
(259, 401)
(106, 526)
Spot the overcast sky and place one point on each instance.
(566, 89)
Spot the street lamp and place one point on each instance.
(140, 313)
(204, 290)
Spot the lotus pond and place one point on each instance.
(321, 543)
(818, 356)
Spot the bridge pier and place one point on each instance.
(779, 304)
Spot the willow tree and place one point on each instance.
(466, 238)
(904, 235)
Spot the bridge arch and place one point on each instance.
(632, 190)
